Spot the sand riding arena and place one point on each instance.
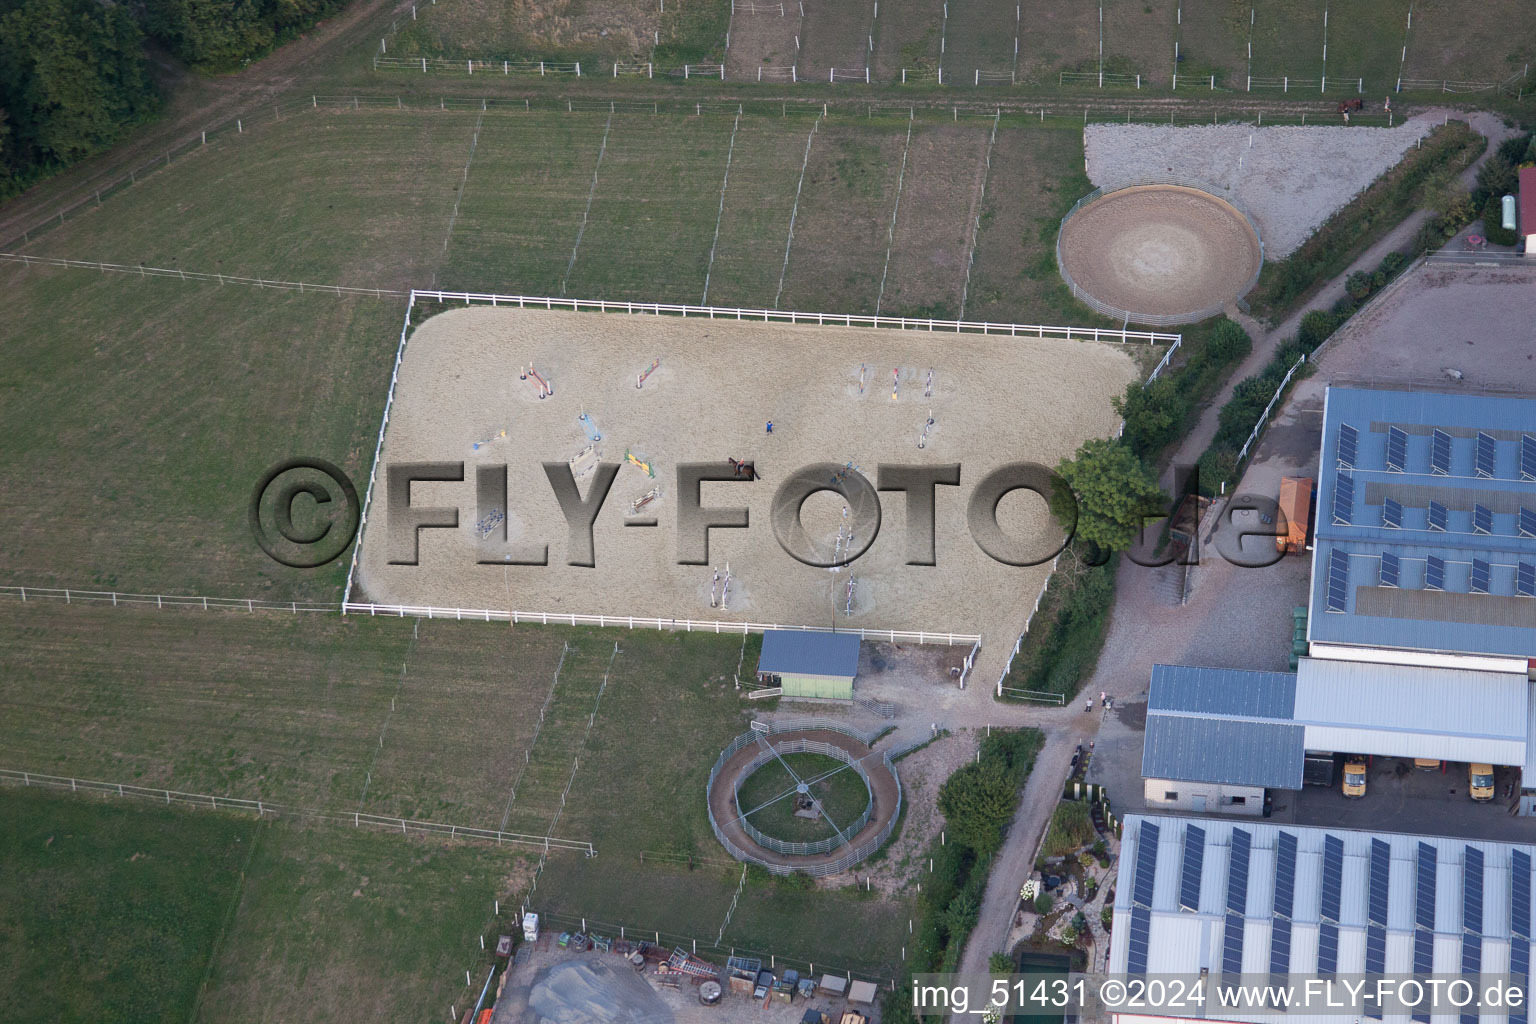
(531, 390)
(853, 841)
(1158, 253)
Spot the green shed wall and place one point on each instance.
(833, 687)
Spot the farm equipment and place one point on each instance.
(686, 963)
(602, 943)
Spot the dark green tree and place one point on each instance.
(977, 801)
(1115, 494)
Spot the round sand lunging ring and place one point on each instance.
(1158, 254)
(855, 840)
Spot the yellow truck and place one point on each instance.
(1480, 783)
(1354, 777)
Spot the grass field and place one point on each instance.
(117, 911)
(290, 708)
(840, 792)
(907, 35)
(1213, 40)
(981, 36)
(835, 34)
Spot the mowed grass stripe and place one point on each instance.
(758, 202)
(907, 36)
(561, 736)
(844, 217)
(980, 35)
(945, 173)
(1138, 38)
(138, 414)
(353, 198)
(1037, 174)
(1365, 39)
(652, 222)
(473, 730)
(1288, 40)
(523, 204)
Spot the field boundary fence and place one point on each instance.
(264, 808)
(1447, 257)
(1452, 85)
(1152, 319)
(119, 599)
(696, 946)
(141, 270)
(1101, 79)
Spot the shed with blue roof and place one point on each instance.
(810, 664)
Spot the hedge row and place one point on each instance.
(1235, 422)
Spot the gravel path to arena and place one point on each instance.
(995, 400)
(1290, 179)
(1160, 250)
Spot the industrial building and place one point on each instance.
(1421, 632)
(1227, 898)
(806, 664)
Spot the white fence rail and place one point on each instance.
(1157, 320)
(472, 66)
(116, 599)
(140, 270)
(785, 316)
(641, 622)
(1018, 644)
(405, 826)
(1098, 78)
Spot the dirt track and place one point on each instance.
(995, 400)
(1160, 250)
(882, 785)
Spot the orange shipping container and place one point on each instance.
(1295, 510)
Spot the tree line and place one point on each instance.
(76, 74)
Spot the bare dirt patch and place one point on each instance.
(762, 35)
(1160, 250)
(945, 172)
(994, 400)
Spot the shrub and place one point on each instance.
(1217, 466)
(1493, 224)
(1107, 916)
(1345, 308)
(1043, 904)
(1358, 285)
(1229, 343)
(999, 963)
(1393, 262)
(1315, 328)
(1071, 828)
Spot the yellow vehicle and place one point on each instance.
(1426, 764)
(1354, 777)
(1480, 782)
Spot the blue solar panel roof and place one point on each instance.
(1464, 458)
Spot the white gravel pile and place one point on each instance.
(1290, 179)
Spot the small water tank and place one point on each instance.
(1509, 213)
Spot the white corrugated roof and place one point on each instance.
(1184, 942)
(1529, 771)
(1407, 711)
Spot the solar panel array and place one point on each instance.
(1376, 910)
(1482, 519)
(1392, 513)
(1527, 457)
(1472, 918)
(1397, 449)
(1480, 576)
(1439, 518)
(1525, 579)
(1237, 902)
(1194, 861)
(1483, 458)
(1338, 581)
(1349, 445)
(1141, 896)
(1434, 573)
(1390, 569)
(1327, 948)
(1343, 500)
(1440, 452)
(1424, 916)
(1527, 522)
(1519, 925)
(1333, 877)
(1285, 898)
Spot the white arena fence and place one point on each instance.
(642, 622)
(262, 808)
(1128, 316)
(1286, 84)
(786, 316)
